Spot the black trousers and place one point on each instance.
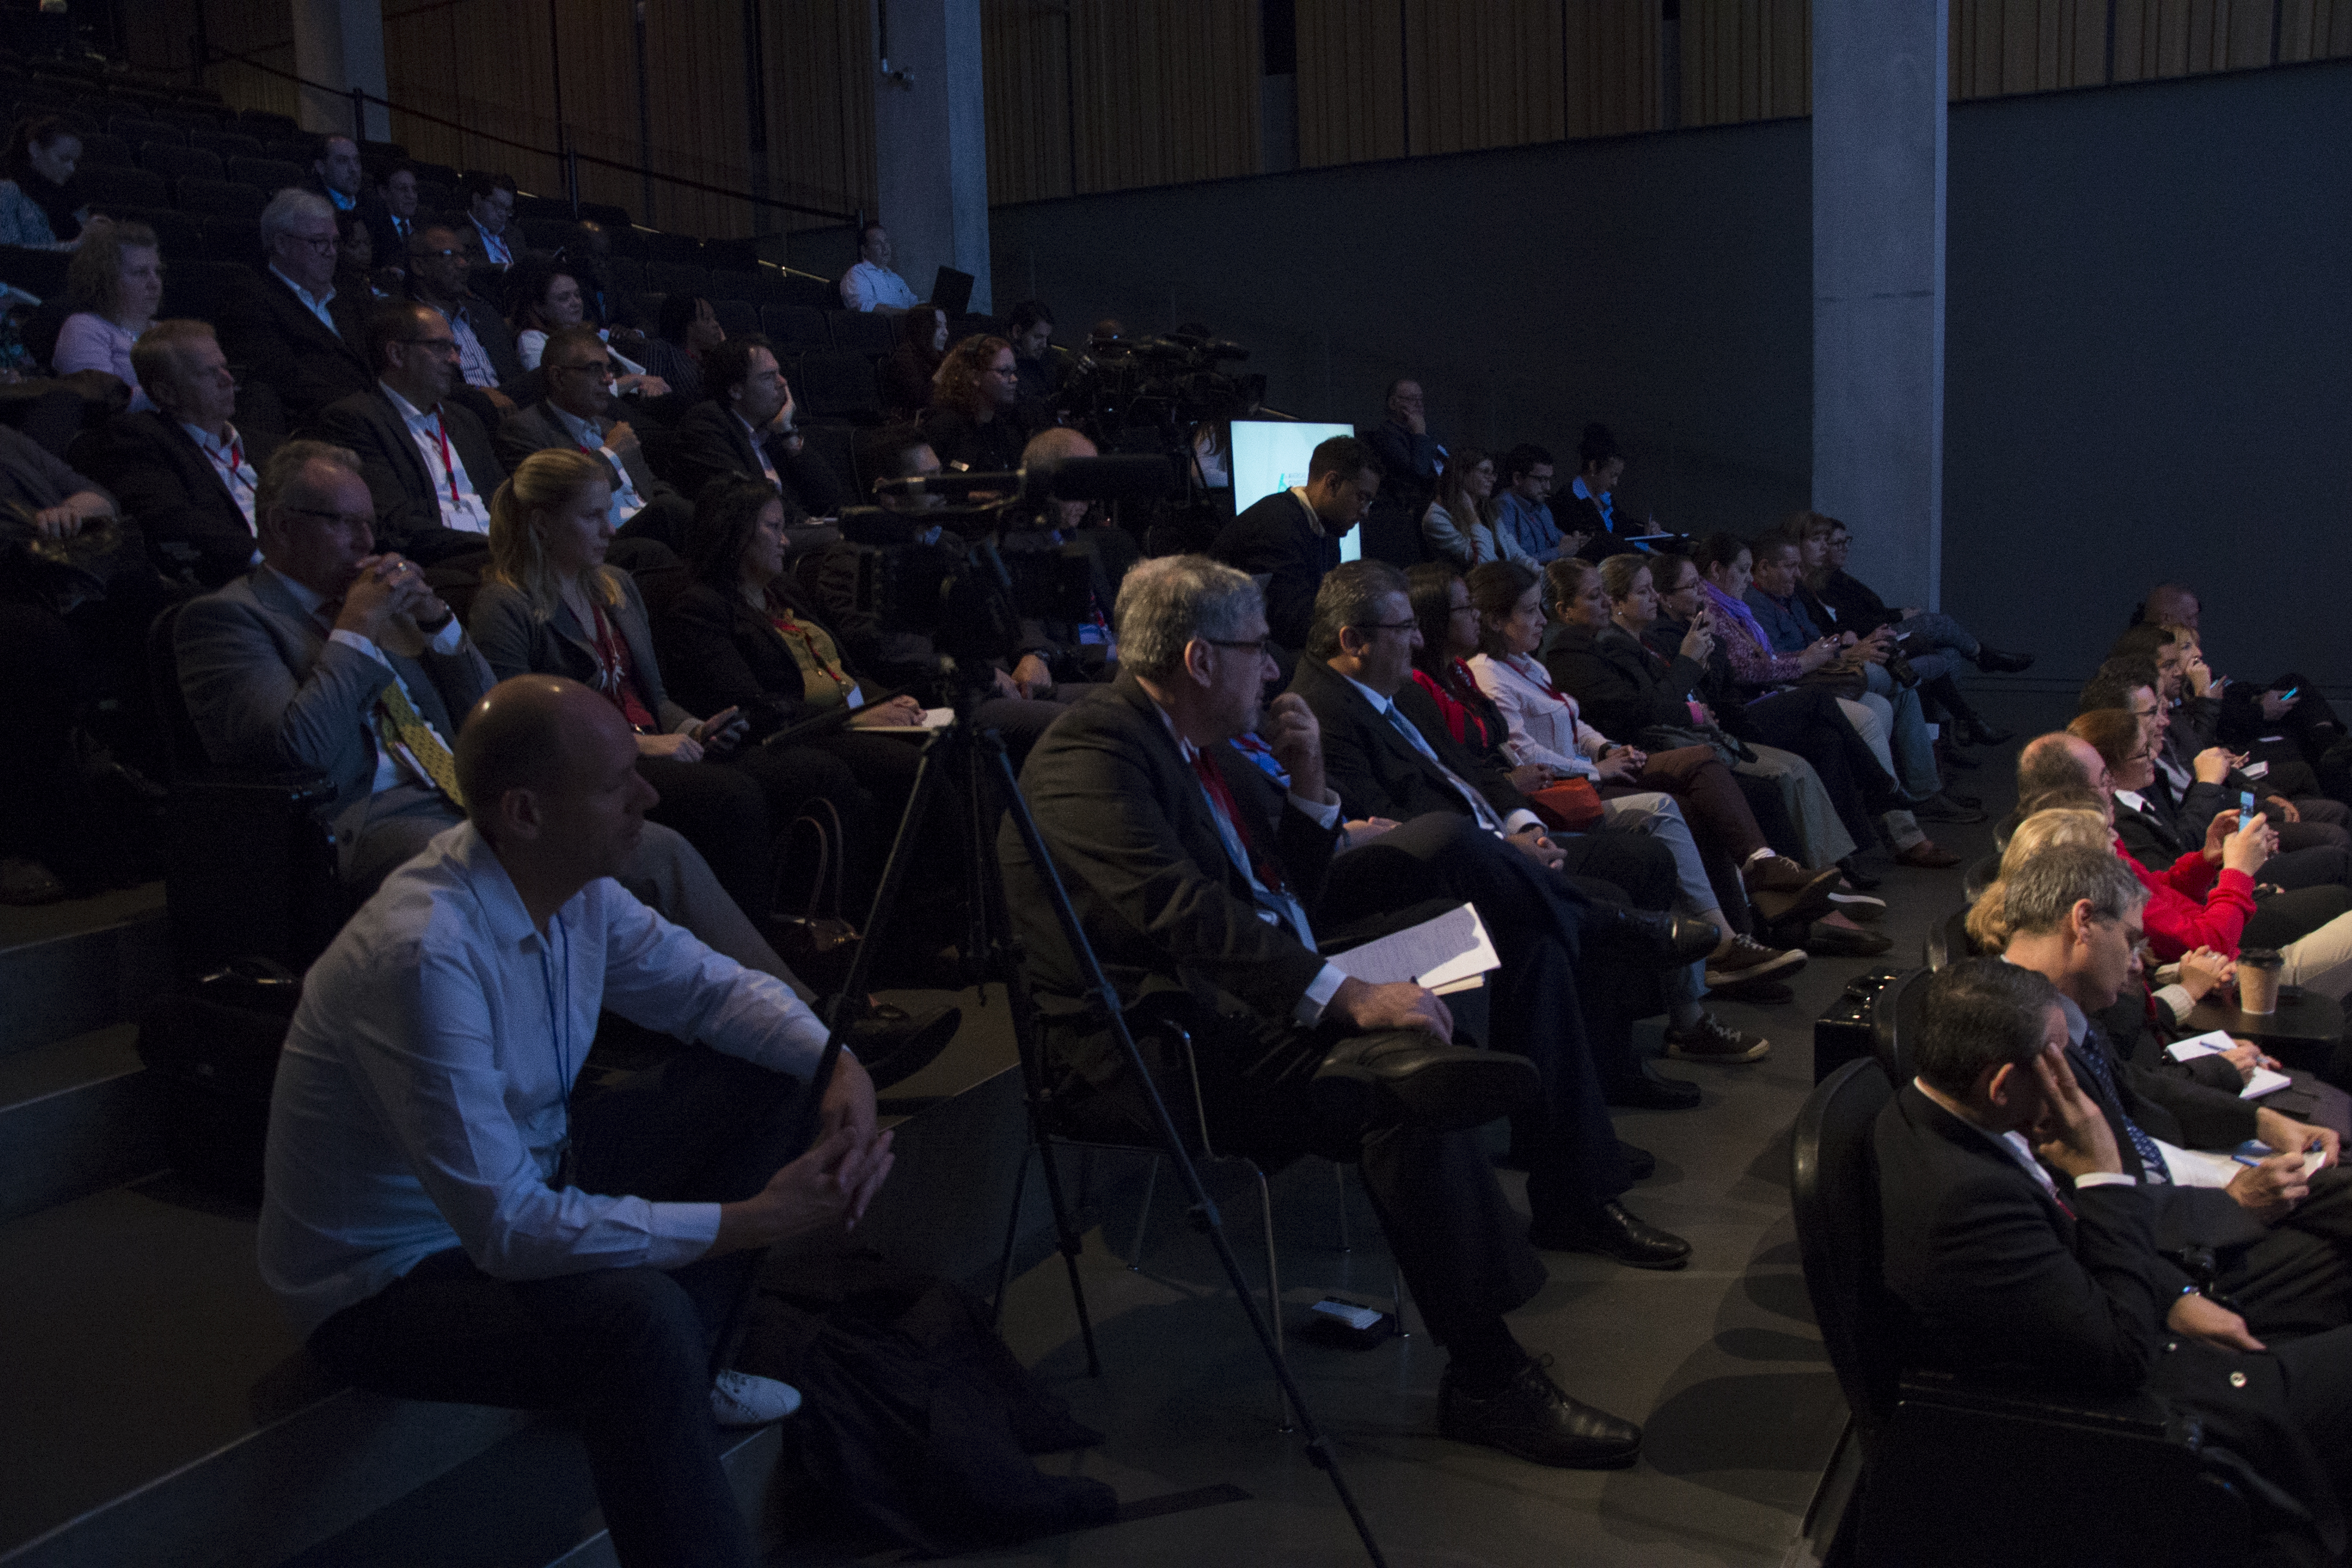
(1808, 721)
(1629, 868)
(2297, 1280)
(723, 813)
(626, 1352)
(2280, 917)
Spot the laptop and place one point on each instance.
(951, 292)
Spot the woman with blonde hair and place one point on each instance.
(2058, 817)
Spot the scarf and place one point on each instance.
(1726, 604)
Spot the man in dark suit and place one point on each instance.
(1999, 1266)
(578, 372)
(487, 362)
(1197, 879)
(747, 428)
(1291, 538)
(2279, 1238)
(393, 216)
(1390, 755)
(427, 461)
(287, 326)
(183, 468)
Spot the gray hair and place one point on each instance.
(2040, 893)
(286, 466)
(292, 203)
(1165, 603)
(1351, 590)
(1980, 1013)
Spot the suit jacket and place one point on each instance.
(536, 429)
(407, 494)
(1376, 770)
(2183, 1113)
(496, 338)
(469, 239)
(718, 652)
(391, 245)
(195, 531)
(268, 690)
(268, 336)
(1992, 1274)
(1276, 538)
(517, 640)
(1622, 687)
(2149, 831)
(710, 442)
(1132, 835)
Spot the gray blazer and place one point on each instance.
(267, 690)
(517, 640)
(535, 429)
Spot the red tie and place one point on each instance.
(1268, 874)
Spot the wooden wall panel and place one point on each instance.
(822, 68)
(2026, 46)
(1350, 82)
(1024, 63)
(1486, 73)
(1745, 59)
(1166, 91)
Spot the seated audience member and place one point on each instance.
(2207, 900)
(549, 606)
(587, 255)
(288, 327)
(546, 300)
(975, 422)
(488, 238)
(2251, 710)
(1458, 527)
(371, 694)
(1624, 687)
(908, 373)
(687, 329)
(2057, 1273)
(356, 273)
(1223, 893)
(1390, 755)
(870, 285)
(1589, 509)
(392, 216)
(487, 360)
(445, 1218)
(1029, 328)
(747, 430)
(1692, 806)
(1411, 459)
(41, 207)
(183, 468)
(1522, 516)
(114, 283)
(576, 366)
(1760, 667)
(425, 458)
(1290, 541)
(1073, 651)
(335, 173)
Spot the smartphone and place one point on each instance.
(2288, 695)
(2245, 806)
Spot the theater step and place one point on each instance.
(75, 1116)
(67, 968)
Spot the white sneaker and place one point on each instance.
(739, 1399)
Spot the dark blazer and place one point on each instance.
(496, 337)
(195, 531)
(1992, 1274)
(536, 429)
(2183, 1113)
(268, 336)
(1135, 842)
(993, 447)
(1376, 770)
(718, 652)
(1859, 610)
(1276, 539)
(407, 495)
(1623, 685)
(517, 640)
(391, 245)
(2151, 835)
(710, 441)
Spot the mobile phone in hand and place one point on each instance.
(2245, 806)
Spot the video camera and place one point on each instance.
(1166, 384)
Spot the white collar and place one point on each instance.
(408, 410)
(205, 438)
(2131, 797)
(316, 302)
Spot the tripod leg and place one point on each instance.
(1272, 1292)
(1143, 1216)
(1012, 1234)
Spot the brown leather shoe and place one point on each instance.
(1928, 858)
(1782, 888)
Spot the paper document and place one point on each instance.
(2213, 1042)
(2264, 1081)
(1438, 952)
(2198, 1167)
(933, 719)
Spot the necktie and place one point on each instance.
(2151, 1158)
(1268, 873)
(1479, 808)
(402, 725)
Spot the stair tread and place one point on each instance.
(87, 1058)
(21, 926)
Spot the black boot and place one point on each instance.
(1404, 1077)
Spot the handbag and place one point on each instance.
(1569, 805)
(818, 942)
(1728, 748)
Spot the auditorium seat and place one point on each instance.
(194, 287)
(441, 174)
(670, 278)
(795, 326)
(546, 233)
(727, 284)
(113, 191)
(235, 239)
(267, 125)
(135, 129)
(377, 153)
(228, 144)
(268, 176)
(178, 161)
(866, 331)
(740, 254)
(804, 290)
(838, 385)
(40, 273)
(530, 206)
(678, 250)
(438, 199)
(220, 198)
(629, 274)
(628, 241)
(177, 235)
(740, 318)
(300, 150)
(102, 149)
(610, 214)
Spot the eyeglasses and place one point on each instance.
(319, 242)
(597, 367)
(348, 518)
(444, 255)
(1262, 646)
(1386, 626)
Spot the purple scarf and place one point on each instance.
(1726, 604)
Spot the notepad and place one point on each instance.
(1440, 954)
(2213, 1042)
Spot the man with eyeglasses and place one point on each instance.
(747, 428)
(1290, 539)
(1523, 509)
(427, 461)
(490, 218)
(1411, 458)
(286, 326)
(487, 357)
(578, 370)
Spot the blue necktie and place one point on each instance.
(2151, 1158)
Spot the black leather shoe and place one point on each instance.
(894, 1045)
(1663, 939)
(1613, 1233)
(1640, 1162)
(1980, 733)
(1532, 1419)
(1994, 661)
(1649, 1091)
(1861, 881)
(1406, 1076)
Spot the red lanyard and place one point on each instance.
(448, 466)
(229, 475)
(1555, 694)
(784, 622)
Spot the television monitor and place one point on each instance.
(1270, 455)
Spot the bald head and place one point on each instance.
(539, 733)
(2057, 761)
(2171, 604)
(1058, 444)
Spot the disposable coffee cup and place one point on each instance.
(2258, 980)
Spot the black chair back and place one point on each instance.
(1979, 877)
(182, 747)
(1833, 1191)
(1949, 942)
(1895, 1015)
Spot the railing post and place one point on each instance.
(359, 114)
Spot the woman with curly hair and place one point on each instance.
(973, 424)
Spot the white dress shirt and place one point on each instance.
(228, 460)
(462, 506)
(393, 765)
(494, 246)
(421, 1102)
(315, 303)
(865, 285)
(586, 434)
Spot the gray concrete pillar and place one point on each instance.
(341, 42)
(930, 141)
(1880, 84)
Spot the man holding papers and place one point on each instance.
(1200, 882)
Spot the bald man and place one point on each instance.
(445, 1222)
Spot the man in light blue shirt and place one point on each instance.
(1522, 509)
(447, 1224)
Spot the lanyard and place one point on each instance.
(448, 466)
(559, 1028)
(229, 469)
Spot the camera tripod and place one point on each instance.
(965, 756)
